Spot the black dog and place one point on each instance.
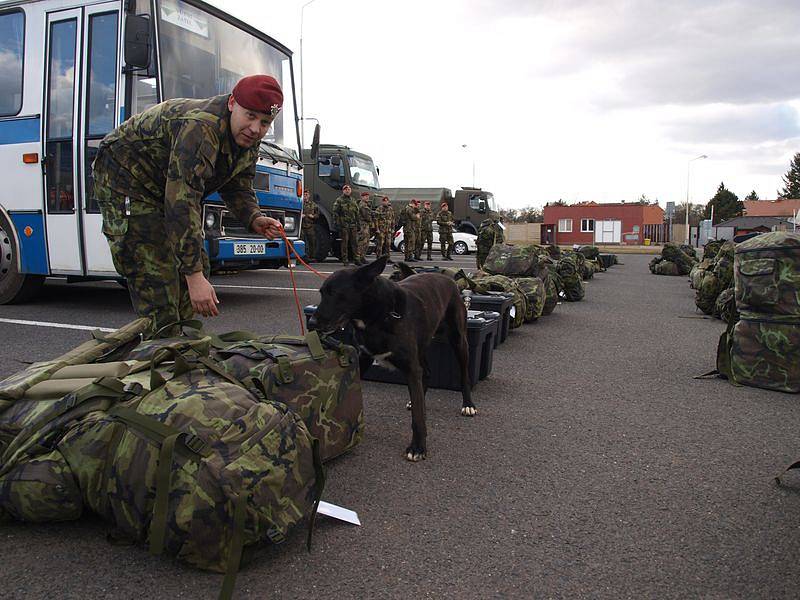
(397, 322)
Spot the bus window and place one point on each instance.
(12, 41)
(60, 116)
(101, 92)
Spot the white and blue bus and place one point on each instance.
(71, 71)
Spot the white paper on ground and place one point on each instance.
(337, 512)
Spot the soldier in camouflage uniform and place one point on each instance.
(489, 234)
(308, 231)
(346, 214)
(384, 225)
(426, 229)
(409, 219)
(365, 230)
(445, 220)
(150, 177)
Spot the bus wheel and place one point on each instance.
(15, 287)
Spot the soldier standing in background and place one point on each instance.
(365, 230)
(445, 220)
(346, 214)
(308, 232)
(426, 227)
(384, 224)
(418, 234)
(409, 219)
(150, 176)
(489, 234)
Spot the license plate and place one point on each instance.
(249, 248)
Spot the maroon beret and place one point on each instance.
(260, 93)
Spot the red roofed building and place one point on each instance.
(782, 207)
(593, 223)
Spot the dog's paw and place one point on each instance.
(468, 411)
(408, 405)
(415, 453)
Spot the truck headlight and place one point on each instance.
(289, 223)
(211, 220)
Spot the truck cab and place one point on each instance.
(327, 169)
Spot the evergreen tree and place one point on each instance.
(752, 196)
(726, 205)
(791, 181)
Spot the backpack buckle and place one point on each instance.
(195, 444)
(275, 536)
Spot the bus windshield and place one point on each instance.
(202, 55)
(362, 171)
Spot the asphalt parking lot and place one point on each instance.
(597, 467)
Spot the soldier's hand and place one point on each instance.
(202, 294)
(266, 226)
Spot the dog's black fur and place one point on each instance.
(397, 322)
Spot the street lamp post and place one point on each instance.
(688, 171)
(302, 73)
(466, 147)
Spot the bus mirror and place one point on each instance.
(137, 41)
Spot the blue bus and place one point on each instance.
(71, 71)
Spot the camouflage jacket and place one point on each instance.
(409, 215)
(489, 235)
(365, 215)
(169, 157)
(346, 212)
(310, 214)
(445, 220)
(426, 219)
(384, 218)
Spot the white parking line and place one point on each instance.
(55, 325)
(263, 287)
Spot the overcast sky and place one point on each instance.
(599, 100)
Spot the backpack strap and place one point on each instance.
(235, 549)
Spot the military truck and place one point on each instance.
(327, 168)
(469, 206)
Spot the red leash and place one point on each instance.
(290, 246)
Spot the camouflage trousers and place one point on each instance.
(309, 236)
(410, 242)
(149, 266)
(446, 242)
(425, 237)
(348, 244)
(383, 242)
(481, 255)
(363, 242)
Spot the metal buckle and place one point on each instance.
(194, 443)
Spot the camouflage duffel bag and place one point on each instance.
(763, 348)
(500, 283)
(590, 252)
(666, 267)
(535, 294)
(174, 452)
(513, 261)
(725, 306)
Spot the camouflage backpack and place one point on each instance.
(513, 261)
(169, 448)
(501, 283)
(762, 348)
(717, 277)
(535, 294)
(571, 281)
(590, 252)
(725, 306)
(678, 255)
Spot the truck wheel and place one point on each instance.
(460, 248)
(323, 241)
(15, 287)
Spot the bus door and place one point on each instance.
(79, 108)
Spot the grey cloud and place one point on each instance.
(749, 124)
(680, 52)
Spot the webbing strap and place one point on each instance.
(235, 548)
(285, 370)
(157, 432)
(314, 345)
(158, 524)
(319, 487)
(181, 366)
(213, 366)
(191, 323)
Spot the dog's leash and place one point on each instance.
(290, 248)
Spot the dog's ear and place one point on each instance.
(367, 273)
(405, 270)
